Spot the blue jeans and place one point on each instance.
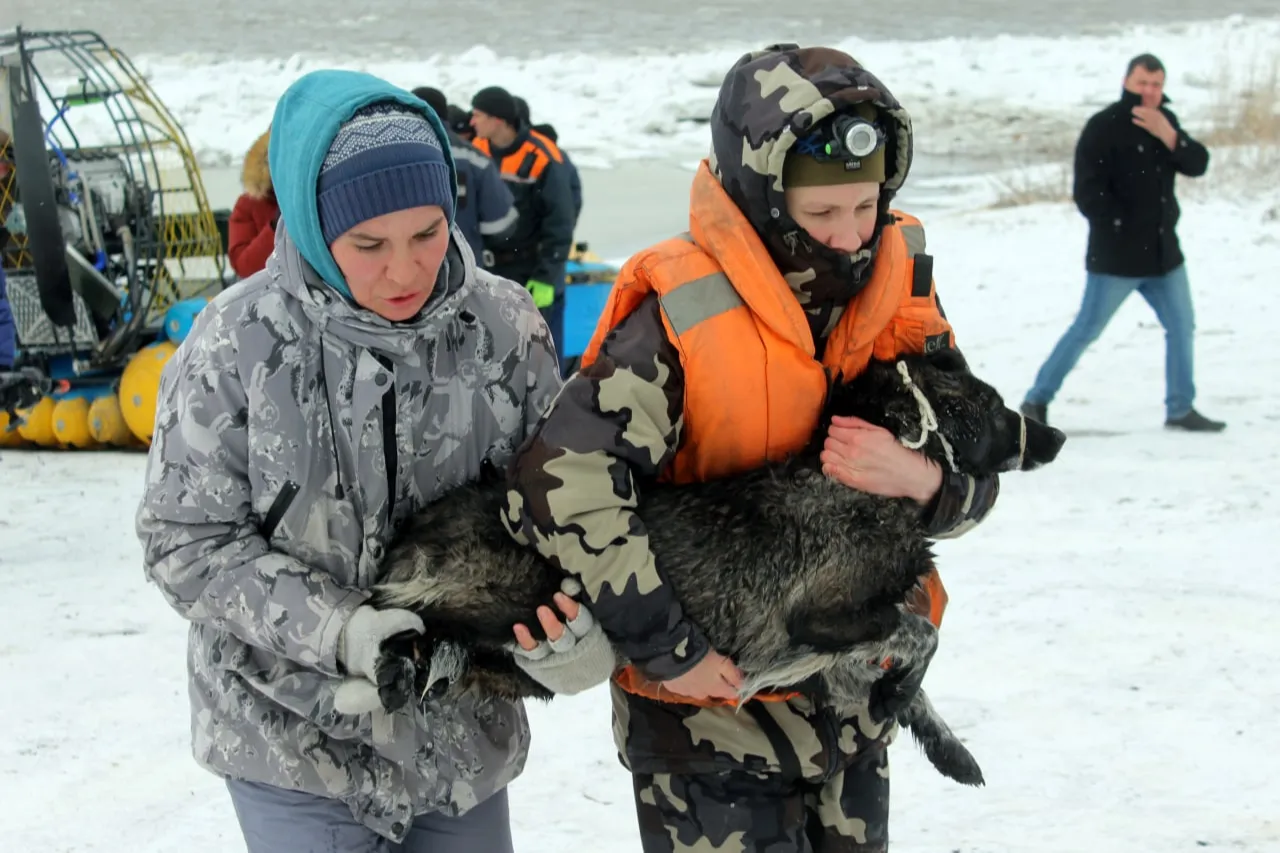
(1169, 295)
(276, 820)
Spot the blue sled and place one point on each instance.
(585, 293)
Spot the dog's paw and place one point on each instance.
(394, 675)
(893, 692)
(395, 671)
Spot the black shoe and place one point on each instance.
(1193, 421)
(1036, 411)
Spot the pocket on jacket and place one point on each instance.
(315, 528)
(279, 506)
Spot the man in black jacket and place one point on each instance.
(1125, 164)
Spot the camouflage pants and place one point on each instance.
(748, 812)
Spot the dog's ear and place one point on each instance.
(949, 360)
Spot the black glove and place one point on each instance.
(22, 389)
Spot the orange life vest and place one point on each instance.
(753, 387)
(552, 148)
(527, 163)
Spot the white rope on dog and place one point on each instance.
(928, 419)
(1022, 440)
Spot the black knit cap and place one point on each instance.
(497, 102)
(434, 99)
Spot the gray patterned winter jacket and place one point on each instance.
(265, 517)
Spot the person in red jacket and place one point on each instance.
(251, 234)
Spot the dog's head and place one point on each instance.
(958, 409)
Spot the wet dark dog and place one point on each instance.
(792, 575)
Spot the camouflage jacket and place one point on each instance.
(266, 516)
(618, 422)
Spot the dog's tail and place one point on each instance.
(940, 745)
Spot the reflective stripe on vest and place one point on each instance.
(913, 235)
(711, 295)
(699, 300)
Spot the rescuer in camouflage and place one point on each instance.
(769, 776)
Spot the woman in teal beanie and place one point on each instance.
(313, 408)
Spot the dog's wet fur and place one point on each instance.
(795, 577)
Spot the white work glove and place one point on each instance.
(376, 677)
(580, 659)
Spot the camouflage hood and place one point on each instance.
(768, 100)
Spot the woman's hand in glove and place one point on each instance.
(378, 675)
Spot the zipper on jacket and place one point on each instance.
(389, 453)
(279, 507)
(339, 491)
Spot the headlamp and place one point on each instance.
(852, 137)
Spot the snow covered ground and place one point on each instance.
(1110, 652)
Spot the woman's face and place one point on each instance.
(840, 216)
(391, 262)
